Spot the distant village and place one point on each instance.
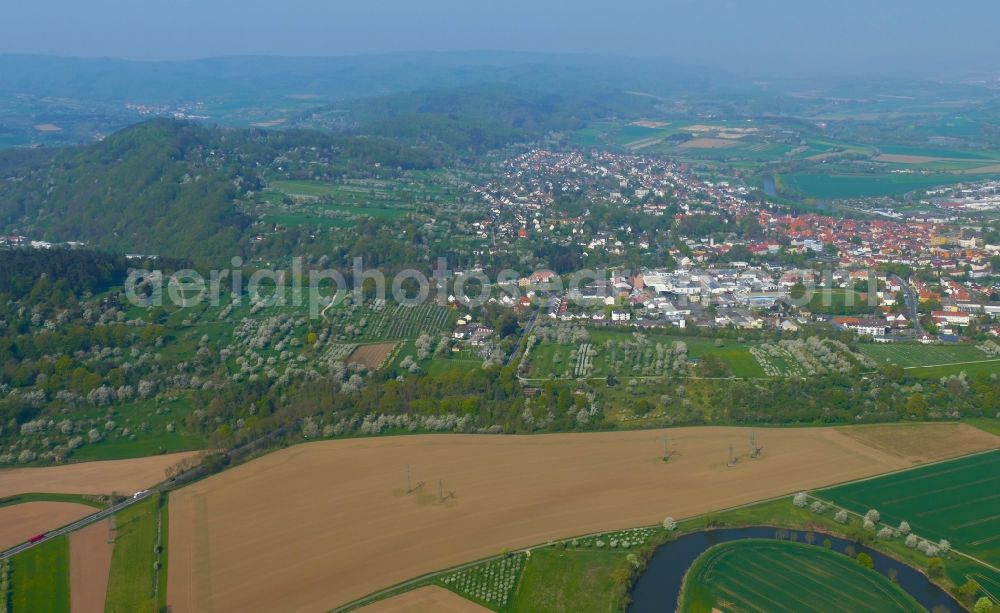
(708, 288)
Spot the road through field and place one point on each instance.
(20, 522)
(317, 525)
(124, 476)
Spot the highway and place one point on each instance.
(80, 523)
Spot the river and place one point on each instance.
(658, 589)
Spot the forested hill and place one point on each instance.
(480, 117)
(167, 187)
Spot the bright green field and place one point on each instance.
(40, 578)
(560, 580)
(914, 354)
(152, 440)
(759, 575)
(971, 370)
(957, 500)
(132, 584)
(858, 186)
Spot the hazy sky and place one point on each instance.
(761, 36)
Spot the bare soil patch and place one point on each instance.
(269, 124)
(993, 168)
(905, 159)
(430, 599)
(371, 356)
(47, 127)
(90, 552)
(650, 124)
(273, 532)
(915, 442)
(125, 476)
(708, 143)
(20, 522)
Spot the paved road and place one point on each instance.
(525, 333)
(911, 304)
(177, 481)
(80, 523)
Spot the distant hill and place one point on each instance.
(55, 100)
(337, 78)
(478, 117)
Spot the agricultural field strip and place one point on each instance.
(857, 503)
(430, 577)
(812, 585)
(951, 364)
(76, 525)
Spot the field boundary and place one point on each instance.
(951, 364)
(428, 578)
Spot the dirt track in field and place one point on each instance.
(317, 525)
(125, 476)
(20, 522)
(430, 599)
(89, 567)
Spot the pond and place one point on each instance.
(658, 589)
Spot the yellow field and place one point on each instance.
(317, 525)
(124, 476)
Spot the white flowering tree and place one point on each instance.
(800, 500)
(669, 524)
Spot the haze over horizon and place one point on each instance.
(765, 38)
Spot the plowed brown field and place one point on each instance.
(20, 522)
(89, 567)
(320, 524)
(125, 476)
(430, 599)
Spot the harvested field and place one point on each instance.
(125, 476)
(89, 567)
(905, 159)
(430, 599)
(708, 143)
(272, 533)
(650, 124)
(371, 356)
(20, 522)
(910, 442)
(991, 169)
